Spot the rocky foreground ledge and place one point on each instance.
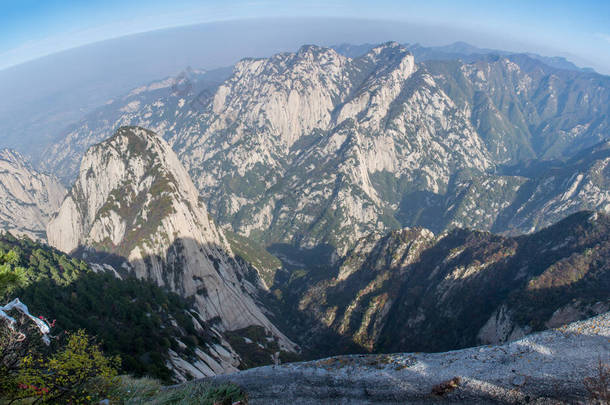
(548, 367)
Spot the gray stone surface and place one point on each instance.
(544, 368)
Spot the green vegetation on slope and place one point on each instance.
(256, 255)
(132, 318)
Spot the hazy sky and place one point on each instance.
(579, 30)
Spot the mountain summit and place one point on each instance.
(134, 203)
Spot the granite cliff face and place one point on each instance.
(135, 206)
(28, 198)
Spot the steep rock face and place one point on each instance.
(412, 290)
(501, 327)
(212, 358)
(134, 201)
(28, 198)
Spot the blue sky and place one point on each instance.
(579, 30)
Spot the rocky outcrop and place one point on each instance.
(28, 198)
(135, 205)
(501, 327)
(211, 358)
(548, 367)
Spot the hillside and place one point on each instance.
(156, 333)
(411, 290)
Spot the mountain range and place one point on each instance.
(135, 210)
(43, 96)
(316, 148)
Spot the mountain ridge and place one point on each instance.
(462, 50)
(412, 290)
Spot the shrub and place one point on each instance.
(78, 373)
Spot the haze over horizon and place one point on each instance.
(579, 32)
(81, 55)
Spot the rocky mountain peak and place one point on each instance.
(389, 48)
(388, 55)
(134, 205)
(315, 51)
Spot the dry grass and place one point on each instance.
(136, 391)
